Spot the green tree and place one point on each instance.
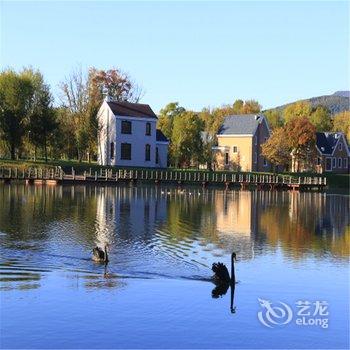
(63, 139)
(341, 122)
(274, 118)
(320, 118)
(166, 117)
(16, 92)
(211, 123)
(300, 109)
(41, 116)
(237, 107)
(186, 142)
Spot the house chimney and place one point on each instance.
(105, 95)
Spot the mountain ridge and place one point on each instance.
(335, 103)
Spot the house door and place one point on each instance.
(328, 164)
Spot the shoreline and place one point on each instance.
(335, 182)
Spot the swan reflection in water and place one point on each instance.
(221, 290)
(223, 281)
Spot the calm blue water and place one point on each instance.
(155, 292)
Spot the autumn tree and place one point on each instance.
(341, 122)
(297, 137)
(82, 95)
(114, 82)
(301, 136)
(277, 148)
(75, 99)
(300, 109)
(251, 107)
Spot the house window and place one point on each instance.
(345, 163)
(125, 152)
(334, 164)
(328, 164)
(157, 155)
(148, 152)
(234, 149)
(340, 146)
(339, 162)
(126, 127)
(226, 158)
(112, 150)
(265, 162)
(148, 129)
(318, 160)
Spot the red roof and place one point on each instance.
(131, 109)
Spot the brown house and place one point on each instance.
(239, 143)
(333, 153)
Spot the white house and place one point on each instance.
(128, 136)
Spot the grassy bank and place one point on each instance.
(334, 181)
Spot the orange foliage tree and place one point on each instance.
(297, 137)
(301, 136)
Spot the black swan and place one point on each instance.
(99, 255)
(221, 275)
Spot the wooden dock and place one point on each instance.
(180, 177)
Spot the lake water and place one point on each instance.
(292, 268)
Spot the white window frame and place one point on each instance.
(340, 146)
(345, 163)
(339, 162)
(265, 162)
(334, 162)
(233, 149)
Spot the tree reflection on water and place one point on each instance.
(151, 229)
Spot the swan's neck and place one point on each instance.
(233, 277)
(106, 255)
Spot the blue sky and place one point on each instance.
(197, 53)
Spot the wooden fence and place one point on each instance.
(164, 175)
